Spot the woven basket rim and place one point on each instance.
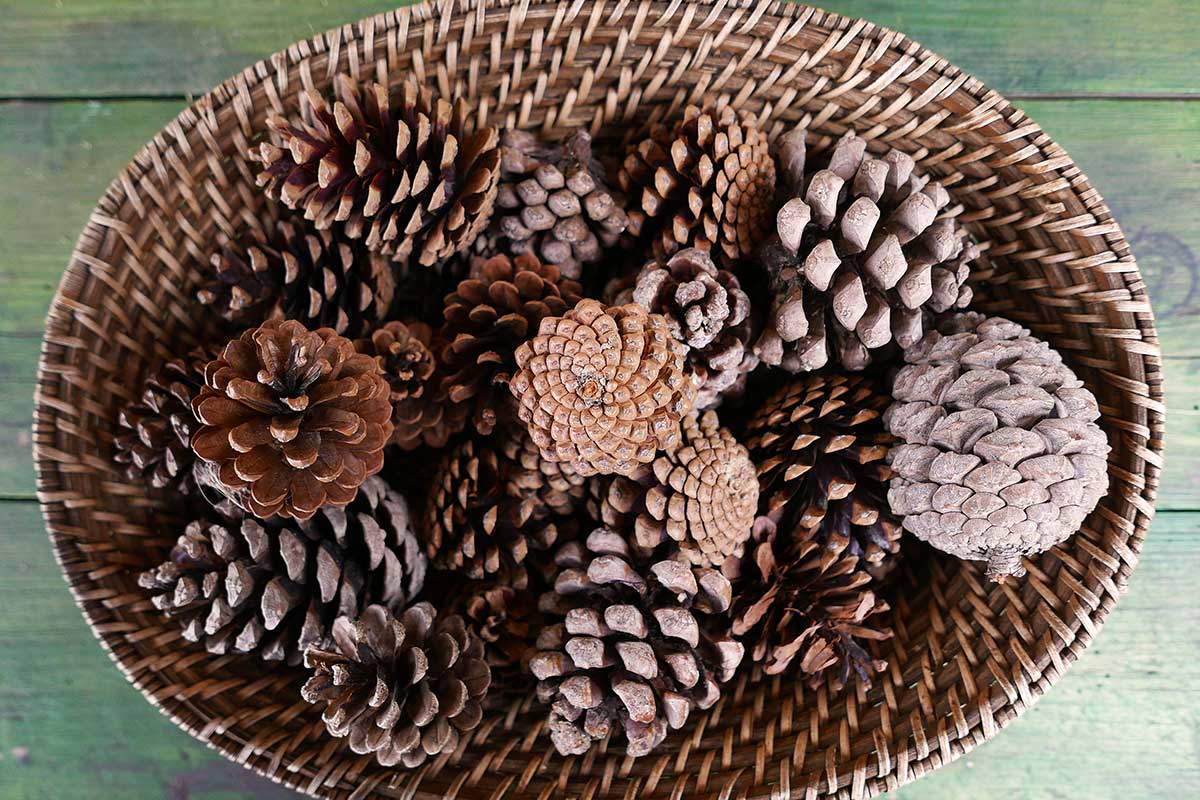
(57, 503)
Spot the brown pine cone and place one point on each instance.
(403, 171)
(554, 201)
(402, 688)
(638, 646)
(1001, 455)
(857, 257)
(421, 412)
(274, 587)
(603, 388)
(708, 182)
(707, 310)
(555, 485)
(493, 311)
(153, 442)
(507, 620)
(702, 497)
(820, 446)
(292, 419)
(800, 599)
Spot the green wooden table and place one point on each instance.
(83, 83)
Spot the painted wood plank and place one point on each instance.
(173, 47)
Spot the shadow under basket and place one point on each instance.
(968, 656)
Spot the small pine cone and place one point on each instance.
(708, 182)
(638, 646)
(507, 620)
(603, 388)
(421, 413)
(820, 446)
(402, 688)
(153, 442)
(292, 419)
(799, 599)
(1001, 455)
(275, 587)
(707, 310)
(403, 171)
(493, 311)
(555, 485)
(554, 201)
(857, 257)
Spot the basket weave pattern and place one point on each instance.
(968, 656)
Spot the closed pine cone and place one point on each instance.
(638, 646)
(403, 171)
(292, 419)
(496, 308)
(153, 442)
(798, 599)
(820, 447)
(421, 412)
(857, 257)
(243, 585)
(554, 201)
(707, 182)
(1001, 455)
(603, 388)
(555, 485)
(404, 688)
(707, 310)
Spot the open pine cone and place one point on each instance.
(857, 257)
(603, 389)
(404, 171)
(1001, 455)
(292, 419)
(507, 620)
(638, 646)
(707, 182)
(555, 486)
(402, 688)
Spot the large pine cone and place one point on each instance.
(293, 419)
(802, 600)
(857, 257)
(707, 310)
(402, 688)
(1001, 455)
(273, 588)
(603, 388)
(493, 311)
(153, 442)
(708, 182)
(554, 201)
(701, 497)
(404, 171)
(638, 646)
(319, 278)
(820, 446)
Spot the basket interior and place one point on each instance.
(968, 656)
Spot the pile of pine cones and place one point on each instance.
(659, 398)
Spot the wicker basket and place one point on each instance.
(968, 657)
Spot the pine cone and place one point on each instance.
(493, 311)
(638, 647)
(1001, 455)
(555, 486)
(820, 446)
(702, 496)
(857, 257)
(708, 182)
(292, 419)
(321, 279)
(274, 587)
(554, 201)
(802, 599)
(707, 310)
(405, 172)
(603, 388)
(507, 620)
(402, 688)
(154, 434)
(421, 412)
